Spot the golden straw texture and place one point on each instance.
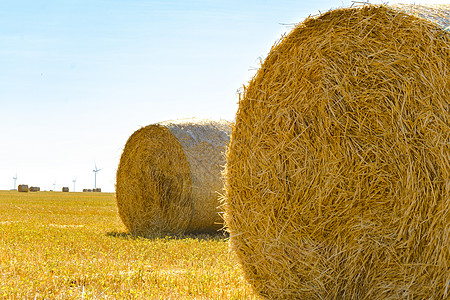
(338, 170)
(22, 188)
(169, 177)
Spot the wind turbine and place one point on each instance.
(54, 185)
(75, 180)
(95, 171)
(15, 180)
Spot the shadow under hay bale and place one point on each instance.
(168, 177)
(338, 171)
(219, 235)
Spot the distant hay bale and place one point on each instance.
(65, 189)
(97, 190)
(34, 189)
(169, 177)
(22, 188)
(437, 13)
(338, 170)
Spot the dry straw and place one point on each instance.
(338, 171)
(169, 177)
(22, 188)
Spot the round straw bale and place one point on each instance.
(34, 189)
(169, 177)
(338, 170)
(22, 188)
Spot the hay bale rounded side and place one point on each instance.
(22, 188)
(169, 177)
(338, 170)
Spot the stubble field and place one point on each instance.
(57, 245)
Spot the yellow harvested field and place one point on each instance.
(58, 245)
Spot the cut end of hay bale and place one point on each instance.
(338, 170)
(169, 176)
(153, 182)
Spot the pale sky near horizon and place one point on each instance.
(77, 78)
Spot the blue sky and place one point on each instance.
(78, 77)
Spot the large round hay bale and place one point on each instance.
(169, 177)
(338, 170)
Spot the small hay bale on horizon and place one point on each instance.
(169, 177)
(338, 170)
(65, 189)
(34, 189)
(22, 188)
